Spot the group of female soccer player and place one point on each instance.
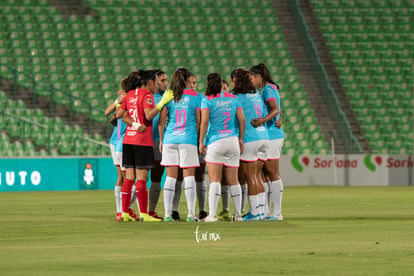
(236, 134)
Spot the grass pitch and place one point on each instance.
(326, 231)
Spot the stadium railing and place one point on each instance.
(338, 116)
(47, 92)
(26, 124)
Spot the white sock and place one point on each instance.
(133, 197)
(169, 188)
(118, 201)
(276, 193)
(177, 195)
(201, 195)
(262, 200)
(190, 194)
(214, 194)
(236, 194)
(225, 197)
(244, 196)
(254, 204)
(154, 195)
(267, 202)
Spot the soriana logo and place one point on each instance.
(372, 164)
(322, 163)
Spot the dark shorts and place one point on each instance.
(138, 157)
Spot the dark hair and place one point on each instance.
(223, 81)
(123, 84)
(159, 72)
(178, 83)
(243, 84)
(147, 75)
(133, 80)
(262, 70)
(213, 84)
(185, 73)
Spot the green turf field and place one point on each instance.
(326, 231)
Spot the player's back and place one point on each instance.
(223, 109)
(253, 107)
(182, 120)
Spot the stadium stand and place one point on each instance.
(86, 55)
(35, 131)
(372, 43)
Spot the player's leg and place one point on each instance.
(155, 189)
(128, 162)
(177, 195)
(144, 156)
(189, 162)
(169, 190)
(224, 214)
(231, 174)
(214, 193)
(249, 171)
(201, 189)
(271, 170)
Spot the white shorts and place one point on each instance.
(225, 151)
(182, 155)
(116, 157)
(157, 153)
(255, 150)
(275, 148)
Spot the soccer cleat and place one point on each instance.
(250, 217)
(168, 219)
(126, 217)
(155, 215)
(236, 218)
(147, 218)
(211, 219)
(175, 215)
(133, 215)
(261, 216)
(202, 215)
(118, 216)
(191, 219)
(224, 214)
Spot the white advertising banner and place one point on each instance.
(353, 170)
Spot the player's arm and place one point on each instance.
(129, 121)
(150, 113)
(279, 122)
(113, 120)
(117, 103)
(198, 120)
(273, 113)
(161, 125)
(242, 126)
(205, 116)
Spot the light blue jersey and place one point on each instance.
(270, 92)
(223, 109)
(253, 107)
(155, 133)
(182, 124)
(117, 136)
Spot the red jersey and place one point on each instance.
(135, 102)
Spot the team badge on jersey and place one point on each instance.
(149, 101)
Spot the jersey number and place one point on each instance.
(181, 118)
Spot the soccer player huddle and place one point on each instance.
(235, 134)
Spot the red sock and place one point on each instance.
(142, 195)
(126, 194)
